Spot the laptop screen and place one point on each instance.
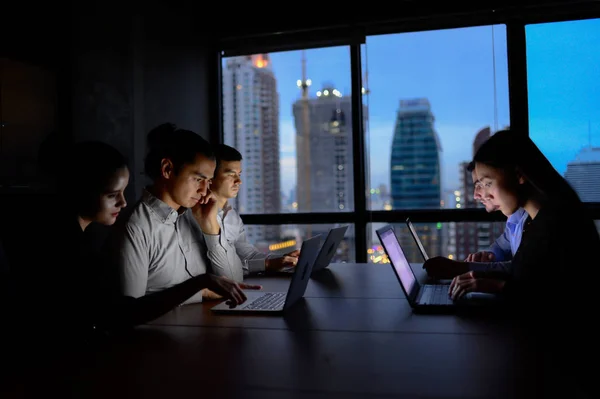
(398, 260)
(413, 232)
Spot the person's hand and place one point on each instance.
(205, 212)
(443, 268)
(289, 260)
(481, 256)
(472, 282)
(229, 289)
(210, 295)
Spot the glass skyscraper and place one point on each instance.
(416, 172)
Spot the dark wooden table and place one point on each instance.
(352, 336)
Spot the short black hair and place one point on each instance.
(471, 166)
(179, 145)
(223, 152)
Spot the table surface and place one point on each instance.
(353, 335)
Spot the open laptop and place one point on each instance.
(328, 249)
(413, 232)
(333, 240)
(273, 302)
(419, 296)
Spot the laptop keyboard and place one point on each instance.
(435, 295)
(269, 301)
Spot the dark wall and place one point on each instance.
(120, 71)
(172, 75)
(133, 71)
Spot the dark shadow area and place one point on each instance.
(325, 279)
(298, 317)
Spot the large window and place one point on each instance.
(454, 240)
(563, 64)
(432, 98)
(291, 237)
(290, 116)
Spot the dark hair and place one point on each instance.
(514, 152)
(471, 166)
(94, 165)
(226, 153)
(179, 145)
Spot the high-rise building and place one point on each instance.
(325, 174)
(324, 155)
(251, 125)
(583, 174)
(416, 173)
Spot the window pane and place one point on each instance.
(452, 240)
(290, 115)
(432, 98)
(291, 237)
(563, 61)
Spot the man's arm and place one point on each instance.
(253, 261)
(500, 267)
(501, 247)
(223, 258)
(196, 298)
(130, 254)
(127, 312)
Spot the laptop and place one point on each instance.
(413, 232)
(333, 240)
(419, 296)
(275, 302)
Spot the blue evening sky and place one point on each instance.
(454, 70)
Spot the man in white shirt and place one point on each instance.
(247, 259)
(171, 235)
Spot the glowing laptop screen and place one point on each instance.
(398, 260)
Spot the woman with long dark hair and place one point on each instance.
(558, 236)
(552, 285)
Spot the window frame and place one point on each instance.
(515, 20)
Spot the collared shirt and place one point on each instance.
(506, 246)
(246, 258)
(157, 247)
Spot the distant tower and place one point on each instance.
(324, 153)
(415, 161)
(583, 174)
(329, 152)
(251, 125)
(416, 173)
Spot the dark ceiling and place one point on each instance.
(47, 30)
(244, 24)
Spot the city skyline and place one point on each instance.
(453, 69)
(459, 114)
(563, 86)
